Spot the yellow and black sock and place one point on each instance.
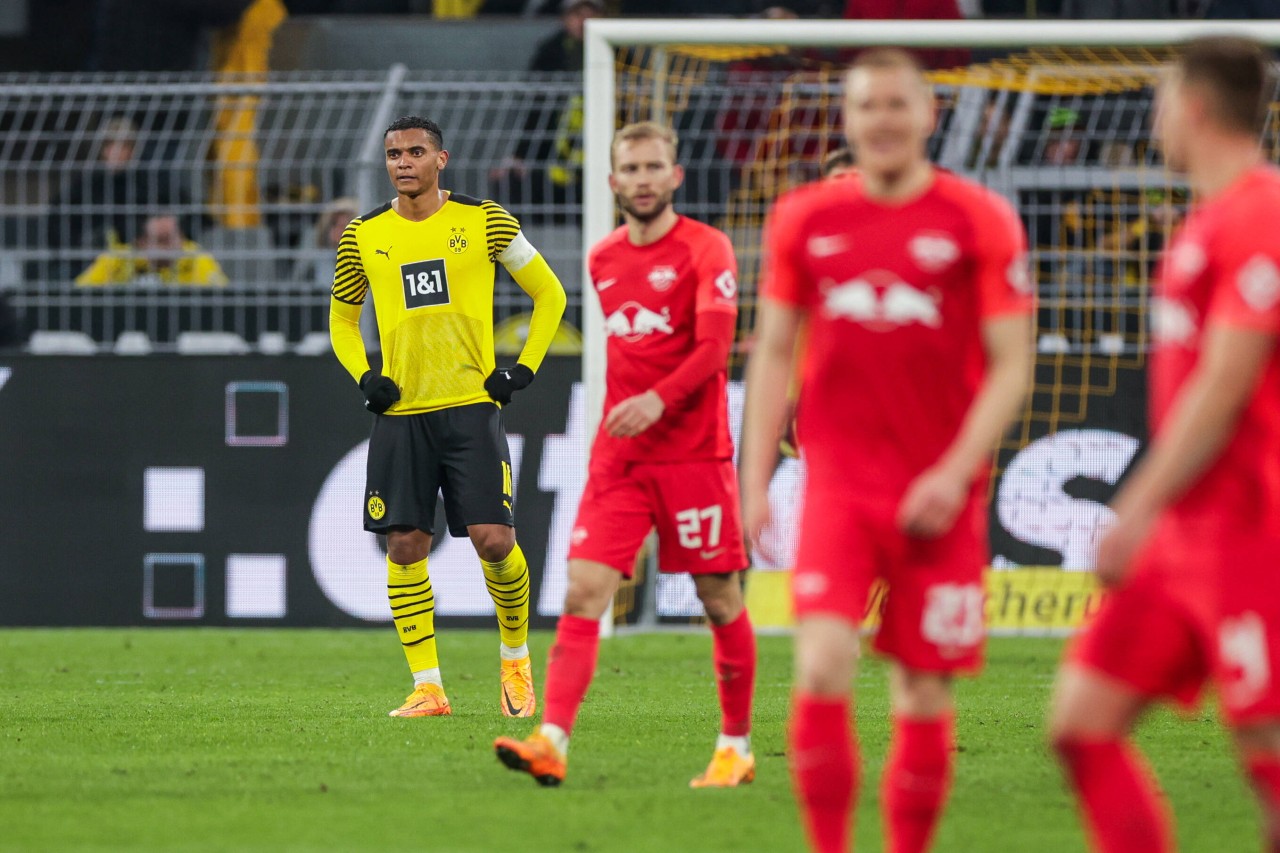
(413, 606)
(508, 583)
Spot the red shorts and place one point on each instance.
(1146, 639)
(1248, 631)
(694, 506)
(932, 615)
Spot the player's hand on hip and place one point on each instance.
(634, 415)
(505, 381)
(932, 502)
(379, 392)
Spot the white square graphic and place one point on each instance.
(173, 500)
(255, 586)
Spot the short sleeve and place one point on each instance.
(717, 270)
(1002, 271)
(1246, 272)
(349, 282)
(782, 274)
(500, 228)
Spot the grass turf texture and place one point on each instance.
(279, 740)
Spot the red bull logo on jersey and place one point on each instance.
(933, 251)
(633, 321)
(881, 301)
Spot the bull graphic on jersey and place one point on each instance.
(633, 321)
(881, 301)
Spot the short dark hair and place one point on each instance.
(417, 123)
(1237, 73)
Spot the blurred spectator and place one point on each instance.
(321, 251)
(1139, 241)
(546, 166)
(992, 135)
(155, 35)
(562, 50)
(914, 10)
(1238, 9)
(12, 331)
(106, 203)
(1062, 148)
(1118, 9)
(160, 255)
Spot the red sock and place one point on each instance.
(734, 652)
(824, 769)
(1264, 772)
(1122, 809)
(917, 778)
(571, 664)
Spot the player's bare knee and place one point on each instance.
(721, 597)
(827, 654)
(591, 589)
(406, 546)
(585, 602)
(920, 695)
(493, 542)
(1258, 740)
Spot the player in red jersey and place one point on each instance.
(1191, 555)
(663, 456)
(913, 284)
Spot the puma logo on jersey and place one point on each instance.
(386, 253)
(634, 321)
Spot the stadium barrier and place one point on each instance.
(226, 490)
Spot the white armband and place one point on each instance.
(518, 253)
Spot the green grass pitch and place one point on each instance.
(195, 739)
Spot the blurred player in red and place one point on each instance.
(913, 286)
(663, 456)
(1191, 558)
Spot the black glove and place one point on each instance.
(379, 392)
(505, 381)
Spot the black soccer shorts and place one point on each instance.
(460, 451)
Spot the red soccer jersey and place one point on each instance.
(652, 297)
(1223, 268)
(895, 295)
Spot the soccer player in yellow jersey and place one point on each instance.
(427, 258)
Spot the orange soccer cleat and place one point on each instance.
(426, 700)
(517, 688)
(535, 755)
(727, 769)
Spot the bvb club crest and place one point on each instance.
(458, 240)
(377, 509)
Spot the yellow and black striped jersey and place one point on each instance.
(432, 286)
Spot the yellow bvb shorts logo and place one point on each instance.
(457, 243)
(377, 509)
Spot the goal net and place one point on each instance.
(1047, 116)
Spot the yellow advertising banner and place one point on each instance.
(1030, 599)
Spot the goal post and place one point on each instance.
(1091, 337)
(603, 37)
